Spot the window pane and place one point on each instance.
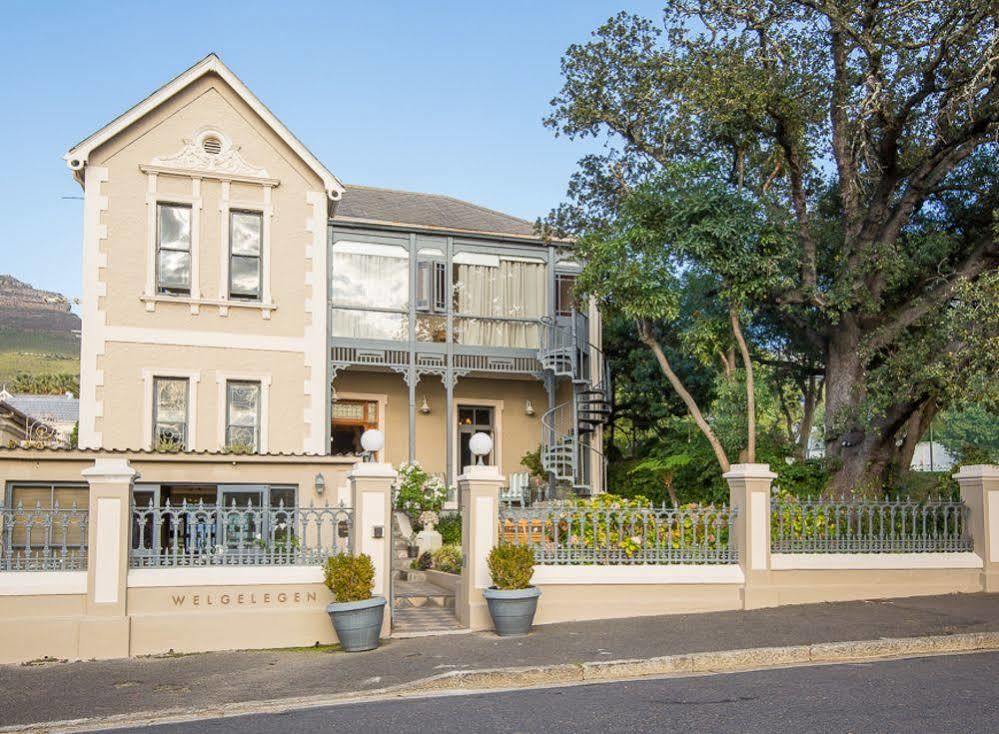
(492, 333)
(245, 233)
(244, 276)
(174, 226)
(370, 275)
(174, 270)
(171, 400)
(282, 496)
(513, 288)
(370, 325)
(244, 403)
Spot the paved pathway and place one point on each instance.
(59, 691)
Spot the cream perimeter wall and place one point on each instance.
(125, 332)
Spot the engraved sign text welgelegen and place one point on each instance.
(243, 598)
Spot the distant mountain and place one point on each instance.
(39, 333)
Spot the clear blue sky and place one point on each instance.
(444, 97)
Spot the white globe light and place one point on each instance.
(372, 440)
(480, 444)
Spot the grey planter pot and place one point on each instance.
(512, 610)
(358, 624)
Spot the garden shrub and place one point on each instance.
(449, 527)
(416, 491)
(424, 562)
(447, 558)
(350, 578)
(511, 566)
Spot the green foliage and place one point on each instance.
(447, 558)
(801, 478)
(922, 485)
(350, 578)
(449, 527)
(45, 383)
(74, 436)
(168, 445)
(237, 447)
(532, 462)
(511, 566)
(417, 491)
(970, 433)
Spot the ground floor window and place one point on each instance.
(44, 526)
(350, 419)
(473, 419)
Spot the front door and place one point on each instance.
(473, 419)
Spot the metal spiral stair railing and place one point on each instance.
(565, 444)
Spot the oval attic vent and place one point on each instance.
(212, 146)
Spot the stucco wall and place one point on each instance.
(126, 331)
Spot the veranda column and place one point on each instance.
(105, 631)
(371, 492)
(479, 487)
(749, 496)
(980, 492)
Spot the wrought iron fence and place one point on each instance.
(43, 538)
(571, 533)
(207, 535)
(868, 526)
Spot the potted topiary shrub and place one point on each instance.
(512, 600)
(356, 614)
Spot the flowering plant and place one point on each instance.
(416, 490)
(428, 518)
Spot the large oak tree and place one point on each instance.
(867, 128)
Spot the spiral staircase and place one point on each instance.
(568, 429)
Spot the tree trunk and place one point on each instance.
(915, 428)
(812, 392)
(847, 440)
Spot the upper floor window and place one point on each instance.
(170, 413)
(565, 297)
(370, 289)
(431, 286)
(242, 427)
(173, 249)
(245, 251)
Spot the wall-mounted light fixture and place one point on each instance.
(425, 406)
(529, 408)
(320, 483)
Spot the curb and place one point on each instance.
(698, 663)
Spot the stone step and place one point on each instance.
(443, 601)
(428, 620)
(411, 574)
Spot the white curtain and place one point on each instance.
(370, 275)
(515, 288)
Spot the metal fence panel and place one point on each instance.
(43, 538)
(207, 535)
(846, 525)
(569, 534)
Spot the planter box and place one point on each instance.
(447, 581)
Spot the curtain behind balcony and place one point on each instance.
(515, 288)
(368, 275)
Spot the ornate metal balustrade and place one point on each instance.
(565, 533)
(207, 535)
(868, 526)
(43, 539)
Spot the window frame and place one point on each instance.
(228, 425)
(560, 307)
(186, 443)
(165, 290)
(259, 257)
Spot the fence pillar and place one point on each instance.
(104, 633)
(480, 488)
(371, 494)
(749, 496)
(980, 492)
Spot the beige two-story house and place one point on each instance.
(240, 301)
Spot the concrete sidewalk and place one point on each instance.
(63, 691)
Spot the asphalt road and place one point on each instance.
(937, 694)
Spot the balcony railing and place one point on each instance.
(207, 535)
(43, 538)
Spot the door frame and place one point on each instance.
(497, 406)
